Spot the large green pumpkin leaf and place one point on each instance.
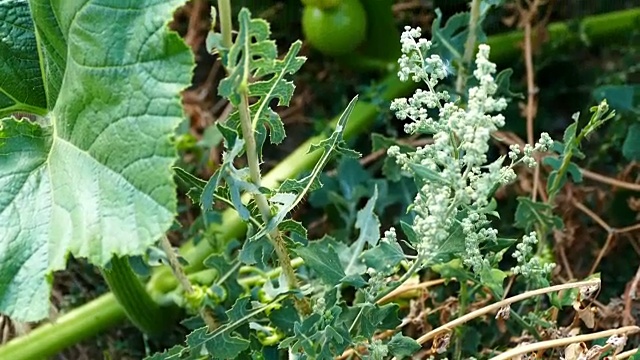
(98, 181)
(21, 86)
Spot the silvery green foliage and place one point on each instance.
(461, 182)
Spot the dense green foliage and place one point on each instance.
(424, 245)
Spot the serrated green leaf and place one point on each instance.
(229, 135)
(285, 317)
(194, 183)
(369, 225)
(499, 245)
(255, 250)
(224, 346)
(570, 133)
(450, 39)
(503, 80)
(455, 241)
(401, 346)
(355, 280)
(333, 144)
(221, 343)
(254, 54)
(298, 185)
(320, 337)
(21, 88)
(294, 231)
(227, 271)
(322, 258)
(352, 179)
(452, 269)
(177, 352)
(553, 162)
(384, 257)
(98, 182)
(408, 231)
(376, 318)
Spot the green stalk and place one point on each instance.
(598, 29)
(463, 300)
(248, 126)
(382, 32)
(81, 323)
(469, 46)
(104, 312)
(284, 259)
(144, 313)
(224, 9)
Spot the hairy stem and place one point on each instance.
(263, 205)
(185, 283)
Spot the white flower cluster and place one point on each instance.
(544, 144)
(529, 265)
(464, 182)
(390, 235)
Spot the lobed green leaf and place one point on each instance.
(97, 182)
(22, 86)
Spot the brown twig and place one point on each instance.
(194, 36)
(612, 232)
(565, 263)
(404, 288)
(184, 282)
(543, 345)
(610, 181)
(496, 306)
(630, 294)
(626, 354)
(592, 215)
(528, 18)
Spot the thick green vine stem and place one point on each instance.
(382, 39)
(146, 314)
(81, 323)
